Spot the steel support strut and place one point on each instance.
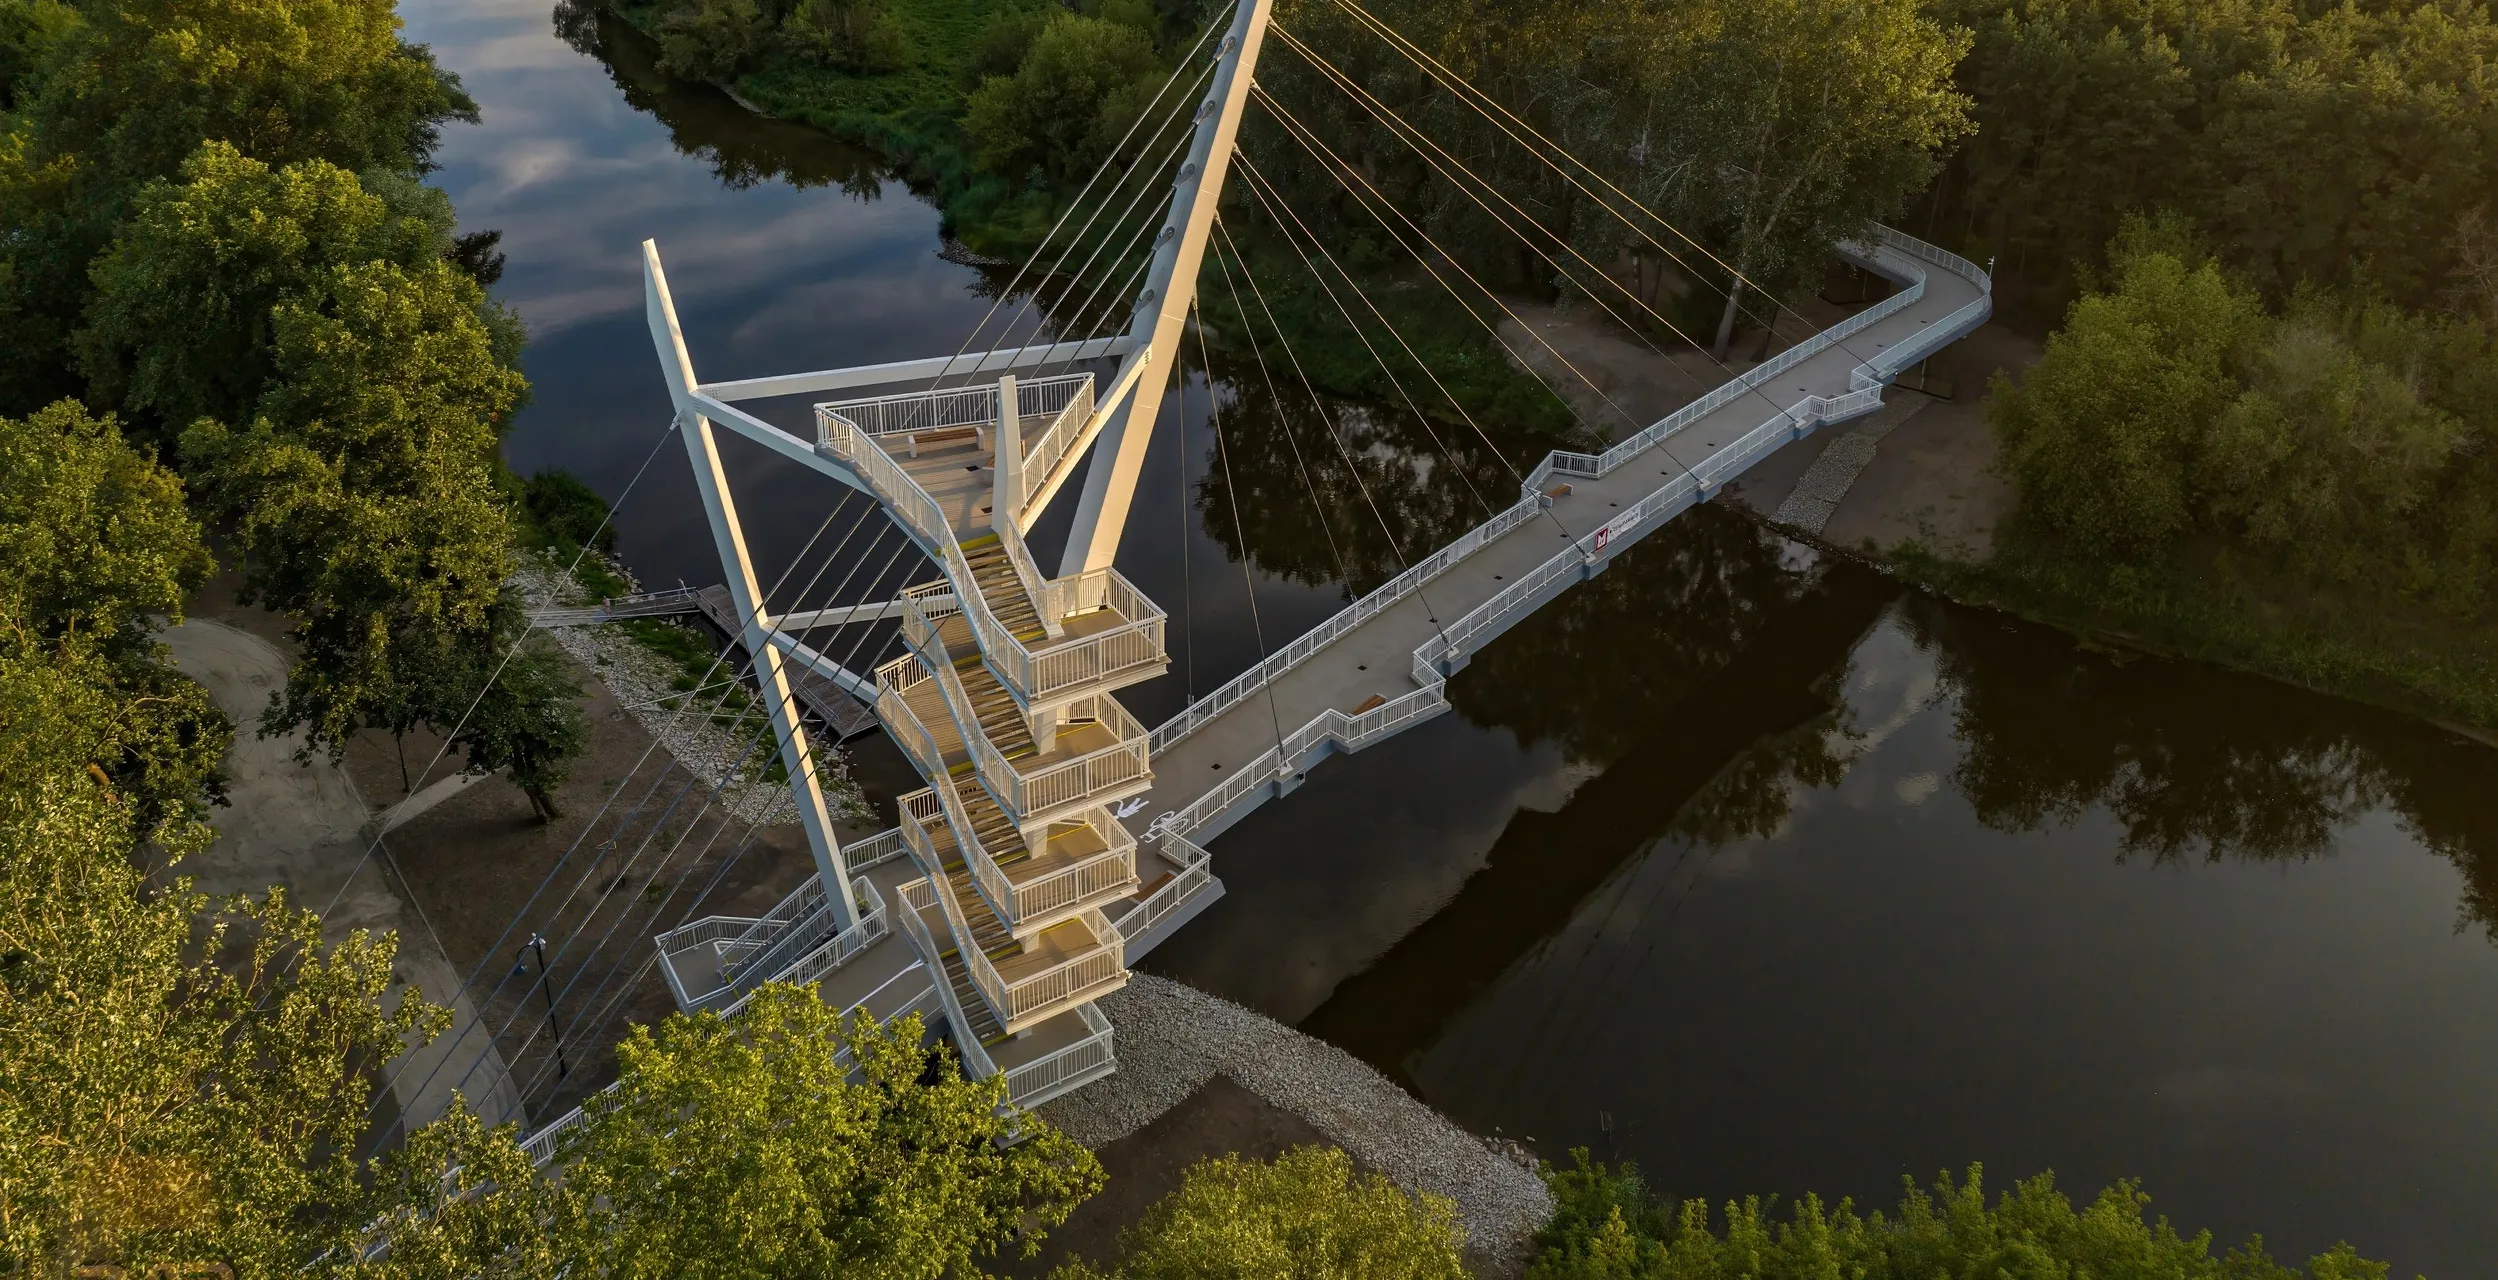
(1162, 310)
(797, 755)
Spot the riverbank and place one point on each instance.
(1914, 490)
(1200, 1076)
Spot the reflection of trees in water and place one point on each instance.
(2193, 760)
(1320, 510)
(1594, 671)
(742, 148)
(1750, 798)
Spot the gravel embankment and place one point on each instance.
(642, 681)
(1172, 1038)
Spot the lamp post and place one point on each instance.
(537, 942)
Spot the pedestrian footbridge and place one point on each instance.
(1057, 839)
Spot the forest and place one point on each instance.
(237, 325)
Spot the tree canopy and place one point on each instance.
(130, 89)
(94, 539)
(747, 1146)
(179, 1078)
(1304, 1215)
(1609, 1226)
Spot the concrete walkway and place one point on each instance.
(303, 826)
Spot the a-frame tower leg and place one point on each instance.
(746, 594)
(1162, 310)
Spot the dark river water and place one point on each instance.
(1738, 863)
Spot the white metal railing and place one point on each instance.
(1813, 409)
(941, 802)
(1042, 453)
(1055, 1073)
(833, 953)
(918, 896)
(1016, 1002)
(1015, 662)
(1196, 872)
(1308, 644)
(1027, 575)
(540, 1146)
(1454, 640)
(1018, 903)
(1127, 650)
(984, 975)
(893, 681)
(1037, 791)
(917, 511)
(1111, 868)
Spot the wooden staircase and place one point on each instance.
(984, 1024)
(1001, 721)
(1002, 588)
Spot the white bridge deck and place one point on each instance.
(1380, 665)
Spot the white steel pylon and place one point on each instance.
(1004, 696)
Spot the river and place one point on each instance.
(1738, 862)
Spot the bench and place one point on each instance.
(978, 435)
(1556, 494)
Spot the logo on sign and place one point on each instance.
(1606, 535)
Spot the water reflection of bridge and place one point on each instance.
(1057, 839)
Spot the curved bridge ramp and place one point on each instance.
(1381, 665)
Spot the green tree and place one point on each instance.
(1080, 85)
(2104, 435)
(179, 1079)
(1609, 1227)
(364, 493)
(1303, 1216)
(94, 541)
(183, 321)
(714, 40)
(29, 32)
(784, 1140)
(849, 35)
(527, 721)
(133, 91)
(1809, 119)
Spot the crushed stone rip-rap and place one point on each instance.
(1172, 1039)
(641, 679)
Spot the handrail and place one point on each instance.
(1041, 454)
(1453, 640)
(1306, 646)
(918, 512)
(1027, 574)
(984, 975)
(1086, 776)
(831, 954)
(1046, 1077)
(917, 896)
(1196, 871)
(1017, 664)
(1114, 865)
(940, 800)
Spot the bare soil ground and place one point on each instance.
(1220, 1118)
(469, 881)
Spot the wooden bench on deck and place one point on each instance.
(912, 440)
